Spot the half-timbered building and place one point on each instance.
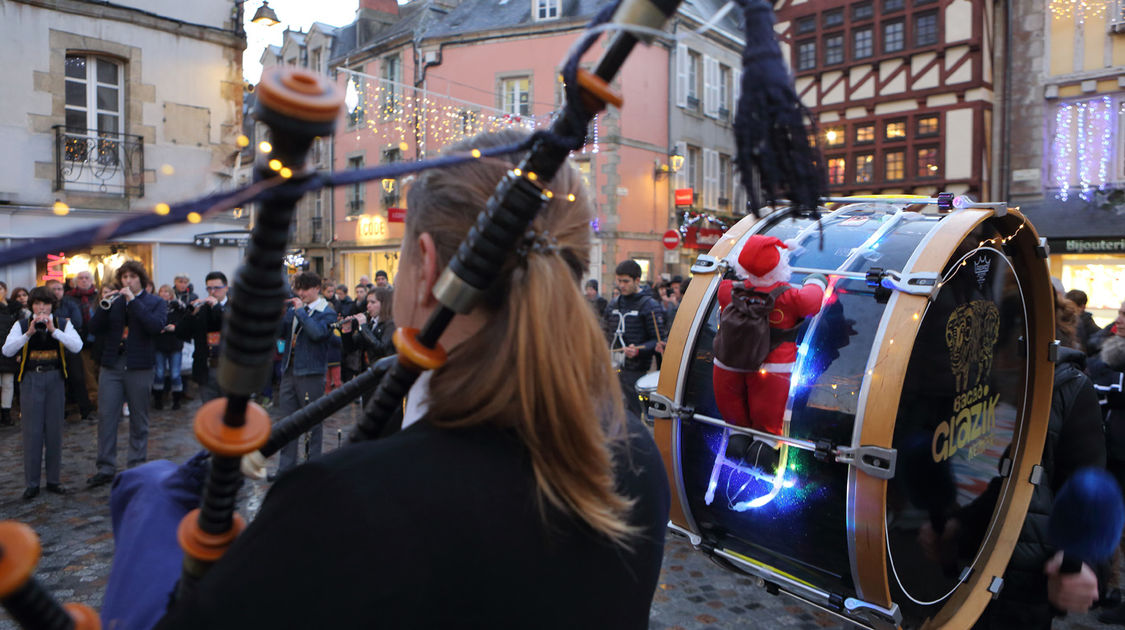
(901, 91)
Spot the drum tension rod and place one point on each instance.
(886, 280)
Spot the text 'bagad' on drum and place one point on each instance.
(920, 391)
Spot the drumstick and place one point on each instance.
(656, 326)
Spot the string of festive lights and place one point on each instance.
(1076, 158)
(1061, 150)
(1077, 10)
(401, 115)
(1083, 163)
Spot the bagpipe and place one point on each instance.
(777, 162)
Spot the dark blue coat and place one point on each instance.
(310, 354)
(145, 316)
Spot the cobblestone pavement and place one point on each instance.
(75, 532)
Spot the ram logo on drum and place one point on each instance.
(970, 334)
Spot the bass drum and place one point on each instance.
(920, 393)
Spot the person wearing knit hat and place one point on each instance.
(755, 347)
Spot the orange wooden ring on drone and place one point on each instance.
(598, 88)
(203, 546)
(84, 617)
(21, 554)
(413, 354)
(228, 441)
(301, 94)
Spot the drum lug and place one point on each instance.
(890, 615)
(876, 461)
(708, 264)
(1036, 475)
(1043, 250)
(922, 283)
(1053, 351)
(695, 539)
(659, 406)
(995, 586)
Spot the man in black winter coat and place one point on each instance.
(203, 325)
(1034, 591)
(635, 322)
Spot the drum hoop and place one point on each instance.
(672, 385)
(1016, 439)
(963, 608)
(866, 495)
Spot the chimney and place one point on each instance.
(373, 16)
(389, 7)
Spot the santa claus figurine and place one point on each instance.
(755, 348)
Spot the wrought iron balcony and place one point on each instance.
(87, 160)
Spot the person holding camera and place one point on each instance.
(43, 341)
(168, 352)
(128, 322)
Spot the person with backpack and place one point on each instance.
(635, 321)
(755, 347)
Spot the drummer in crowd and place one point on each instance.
(635, 322)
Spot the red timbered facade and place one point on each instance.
(901, 91)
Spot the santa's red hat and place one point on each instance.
(760, 255)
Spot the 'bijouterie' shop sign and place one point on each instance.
(1087, 245)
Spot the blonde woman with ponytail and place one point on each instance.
(516, 495)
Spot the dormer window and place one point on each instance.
(546, 9)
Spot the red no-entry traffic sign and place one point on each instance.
(671, 239)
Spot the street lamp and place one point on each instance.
(675, 163)
(264, 15)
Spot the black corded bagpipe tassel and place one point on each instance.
(771, 125)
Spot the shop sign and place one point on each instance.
(702, 238)
(684, 196)
(371, 228)
(396, 215)
(1087, 245)
(56, 265)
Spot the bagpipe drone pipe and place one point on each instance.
(774, 156)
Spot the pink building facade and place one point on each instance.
(429, 74)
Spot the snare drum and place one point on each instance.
(924, 377)
(645, 386)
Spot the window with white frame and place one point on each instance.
(392, 86)
(94, 95)
(515, 96)
(314, 60)
(546, 9)
(724, 91)
(94, 102)
(1087, 146)
(694, 62)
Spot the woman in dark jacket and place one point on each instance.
(8, 365)
(168, 349)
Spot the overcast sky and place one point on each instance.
(295, 14)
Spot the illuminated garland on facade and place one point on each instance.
(397, 113)
(1082, 147)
